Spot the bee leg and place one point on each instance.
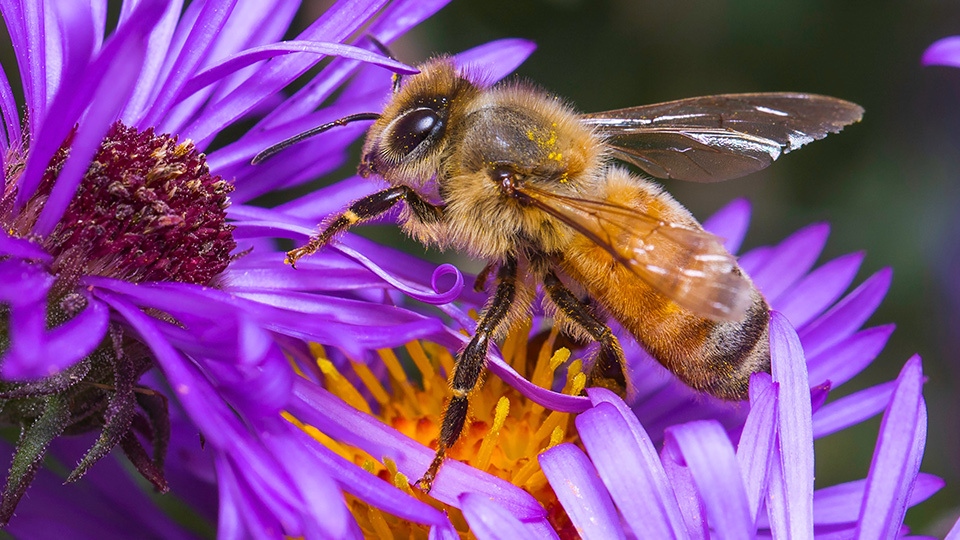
(470, 364)
(608, 370)
(480, 284)
(363, 209)
(384, 50)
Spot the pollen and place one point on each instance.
(505, 432)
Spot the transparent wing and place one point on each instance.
(714, 138)
(687, 265)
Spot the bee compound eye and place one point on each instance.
(413, 128)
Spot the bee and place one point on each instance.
(515, 177)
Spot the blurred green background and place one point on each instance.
(889, 186)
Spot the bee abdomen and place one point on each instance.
(733, 352)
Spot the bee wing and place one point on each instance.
(687, 265)
(714, 138)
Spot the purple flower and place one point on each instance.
(943, 52)
(734, 471)
(125, 285)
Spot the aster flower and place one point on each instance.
(117, 257)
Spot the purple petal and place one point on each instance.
(106, 102)
(106, 505)
(730, 223)
(336, 520)
(691, 503)
(757, 440)
(276, 497)
(396, 19)
(59, 348)
(26, 24)
(843, 361)
(356, 326)
(80, 35)
(315, 406)
(629, 467)
(795, 426)
(70, 103)
(435, 296)
(790, 260)
(712, 463)
(954, 533)
(158, 51)
(851, 410)
(847, 315)
(819, 289)
(368, 487)
(777, 501)
(487, 519)
(943, 52)
(495, 60)
(21, 248)
(11, 135)
(541, 396)
(263, 52)
(579, 489)
(339, 21)
(896, 460)
(755, 258)
(840, 504)
(197, 44)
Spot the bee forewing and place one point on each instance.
(693, 269)
(714, 138)
(687, 265)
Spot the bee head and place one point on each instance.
(404, 146)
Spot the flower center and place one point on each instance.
(505, 434)
(147, 209)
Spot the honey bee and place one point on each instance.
(513, 176)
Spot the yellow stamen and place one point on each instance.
(503, 436)
(486, 448)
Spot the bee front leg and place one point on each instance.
(470, 364)
(363, 209)
(608, 370)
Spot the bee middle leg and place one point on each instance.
(608, 369)
(470, 364)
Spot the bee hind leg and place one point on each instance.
(608, 369)
(469, 366)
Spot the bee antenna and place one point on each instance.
(384, 50)
(273, 149)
